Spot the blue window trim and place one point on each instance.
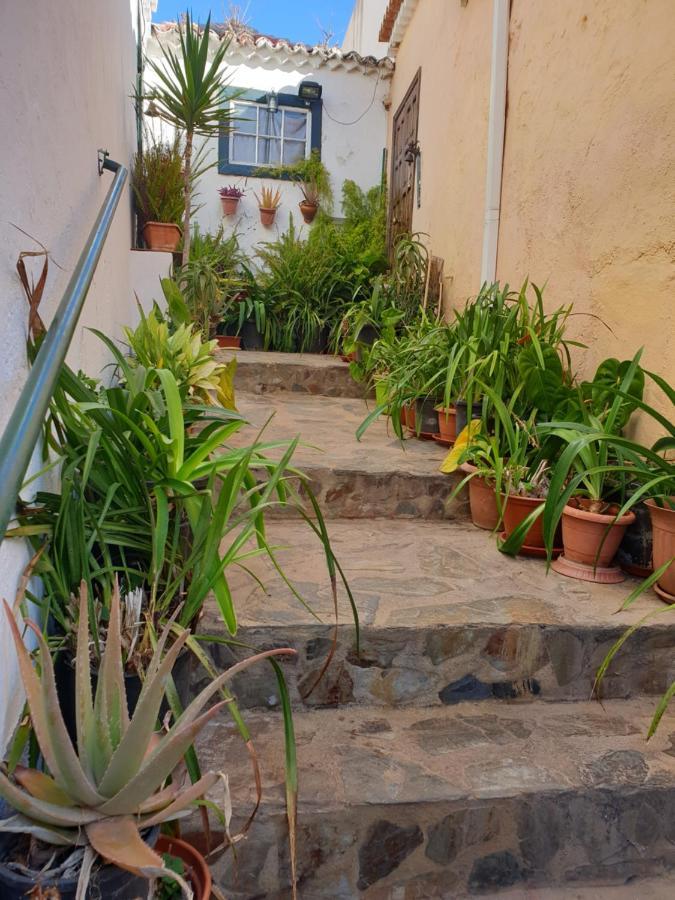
(225, 167)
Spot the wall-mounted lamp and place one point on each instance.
(272, 102)
(309, 90)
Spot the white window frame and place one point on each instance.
(258, 135)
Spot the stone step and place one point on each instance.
(377, 476)
(447, 802)
(662, 888)
(445, 619)
(303, 373)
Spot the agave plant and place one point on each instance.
(124, 777)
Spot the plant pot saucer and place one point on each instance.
(583, 572)
(423, 435)
(664, 595)
(534, 552)
(442, 440)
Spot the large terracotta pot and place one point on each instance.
(447, 423)
(517, 508)
(162, 235)
(482, 500)
(663, 548)
(590, 542)
(196, 870)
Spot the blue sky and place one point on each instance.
(299, 20)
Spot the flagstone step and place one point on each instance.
(380, 475)
(303, 373)
(447, 802)
(445, 619)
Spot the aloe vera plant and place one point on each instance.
(124, 777)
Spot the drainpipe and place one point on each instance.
(496, 128)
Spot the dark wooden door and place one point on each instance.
(404, 152)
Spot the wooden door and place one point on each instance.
(404, 151)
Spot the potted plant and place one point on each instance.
(229, 199)
(97, 807)
(189, 94)
(157, 184)
(312, 178)
(185, 859)
(269, 201)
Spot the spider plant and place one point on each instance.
(190, 95)
(123, 778)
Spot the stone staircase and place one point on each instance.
(458, 753)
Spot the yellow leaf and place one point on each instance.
(451, 461)
(225, 390)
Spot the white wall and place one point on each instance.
(348, 151)
(364, 27)
(67, 70)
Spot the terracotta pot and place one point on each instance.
(447, 423)
(229, 341)
(517, 508)
(482, 501)
(267, 216)
(309, 211)
(586, 538)
(408, 417)
(162, 236)
(230, 205)
(663, 548)
(197, 872)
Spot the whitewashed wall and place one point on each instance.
(364, 27)
(348, 151)
(67, 70)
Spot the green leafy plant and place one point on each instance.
(211, 280)
(157, 183)
(123, 778)
(190, 95)
(311, 176)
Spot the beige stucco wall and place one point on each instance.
(588, 199)
(452, 45)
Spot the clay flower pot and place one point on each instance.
(447, 423)
(517, 508)
(309, 211)
(162, 236)
(230, 205)
(590, 542)
(267, 216)
(408, 417)
(482, 500)
(228, 341)
(197, 872)
(663, 547)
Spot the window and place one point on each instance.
(264, 138)
(258, 137)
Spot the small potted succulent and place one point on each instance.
(269, 201)
(229, 199)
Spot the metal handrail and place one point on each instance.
(23, 428)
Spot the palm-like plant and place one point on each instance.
(189, 95)
(122, 779)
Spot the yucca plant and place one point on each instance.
(124, 777)
(190, 95)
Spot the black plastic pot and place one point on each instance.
(426, 417)
(251, 338)
(368, 335)
(65, 687)
(461, 419)
(107, 882)
(319, 343)
(635, 552)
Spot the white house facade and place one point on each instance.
(274, 125)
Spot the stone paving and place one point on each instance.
(457, 754)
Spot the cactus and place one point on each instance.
(124, 777)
